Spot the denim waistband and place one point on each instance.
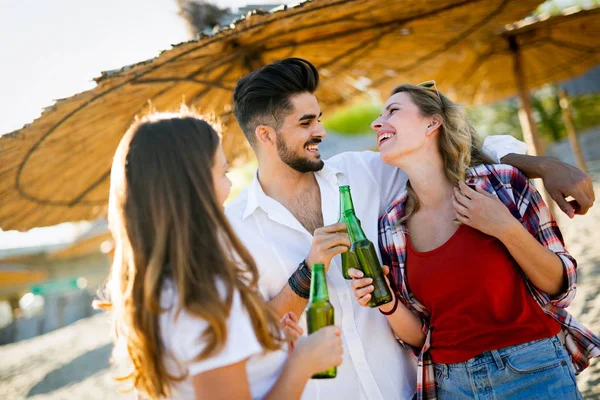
(491, 356)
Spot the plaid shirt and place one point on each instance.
(525, 203)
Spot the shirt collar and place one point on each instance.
(478, 170)
(331, 174)
(255, 193)
(258, 198)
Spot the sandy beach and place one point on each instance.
(72, 362)
(582, 237)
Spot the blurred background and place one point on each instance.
(53, 345)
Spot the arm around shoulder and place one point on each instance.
(561, 180)
(498, 146)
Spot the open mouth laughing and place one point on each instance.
(313, 146)
(384, 136)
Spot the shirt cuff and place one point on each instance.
(564, 299)
(497, 146)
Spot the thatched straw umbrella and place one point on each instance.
(526, 55)
(546, 50)
(56, 169)
(541, 50)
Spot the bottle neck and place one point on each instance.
(345, 200)
(318, 284)
(354, 229)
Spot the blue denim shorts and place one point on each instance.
(541, 369)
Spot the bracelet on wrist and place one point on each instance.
(393, 310)
(299, 282)
(294, 286)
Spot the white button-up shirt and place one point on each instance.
(375, 366)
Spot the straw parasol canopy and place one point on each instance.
(529, 54)
(57, 168)
(552, 49)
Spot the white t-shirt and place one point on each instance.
(182, 339)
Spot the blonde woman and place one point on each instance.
(481, 274)
(183, 290)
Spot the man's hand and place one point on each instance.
(328, 242)
(562, 181)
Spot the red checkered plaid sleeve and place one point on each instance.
(538, 220)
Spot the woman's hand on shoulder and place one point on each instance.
(483, 211)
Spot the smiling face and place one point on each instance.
(300, 134)
(402, 129)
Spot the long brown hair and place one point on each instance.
(459, 144)
(167, 224)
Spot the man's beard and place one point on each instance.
(298, 163)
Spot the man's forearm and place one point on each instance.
(561, 181)
(531, 166)
(286, 301)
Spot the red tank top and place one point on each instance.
(476, 297)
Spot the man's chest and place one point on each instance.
(309, 215)
(307, 208)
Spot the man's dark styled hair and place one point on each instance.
(263, 96)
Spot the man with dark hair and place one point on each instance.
(263, 98)
(287, 218)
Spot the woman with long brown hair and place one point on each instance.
(183, 289)
(480, 272)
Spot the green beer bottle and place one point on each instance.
(348, 259)
(319, 311)
(367, 260)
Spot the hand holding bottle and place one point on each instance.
(319, 351)
(366, 259)
(328, 242)
(363, 286)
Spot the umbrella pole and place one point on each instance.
(565, 106)
(530, 133)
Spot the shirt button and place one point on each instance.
(471, 180)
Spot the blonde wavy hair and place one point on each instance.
(459, 144)
(167, 224)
